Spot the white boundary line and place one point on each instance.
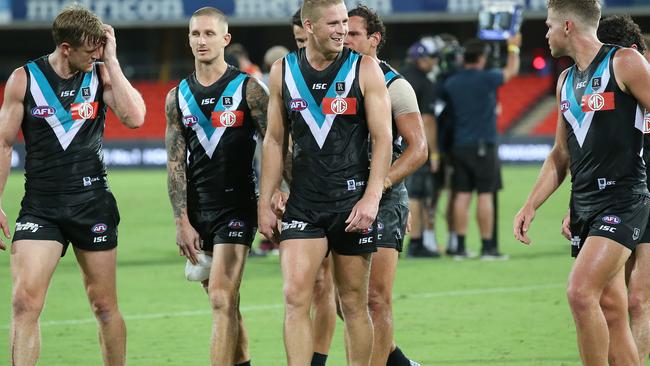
(262, 307)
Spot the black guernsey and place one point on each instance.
(63, 126)
(604, 137)
(330, 135)
(220, 137)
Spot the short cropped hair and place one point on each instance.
(212, 12)
(295, 20)
(587, 10)
(621, 30)
(374, 24)
(473, 50)
(310, 8)
(77, 25)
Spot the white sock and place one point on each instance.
(452, 242)
(429, 240)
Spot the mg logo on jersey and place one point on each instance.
(564, 106)
(43, 111)
(81, 111)
(298, 104)
(227, 119)
(190, 120)
(598, 102)
(346, 106)
(339, 106)
(99, 228)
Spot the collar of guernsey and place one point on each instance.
(209, 136)
(65, 128)
(579, 120)
(318, 122)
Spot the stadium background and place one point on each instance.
(447, 313)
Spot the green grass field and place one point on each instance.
(446, 312)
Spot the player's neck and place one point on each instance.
(318, 59)
(208, 73)
(585, 50)
(60, 65)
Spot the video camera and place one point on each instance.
(499, 20)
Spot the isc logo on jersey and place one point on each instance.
(43, 111)
(598, 102)
(86, 110)
(345, 106)
(227, 119)
(297, 104)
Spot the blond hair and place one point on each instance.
(588, 11)
(77, 25)
(212, 12)
(310, 8)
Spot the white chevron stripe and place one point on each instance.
(320, 133)
(65, 138)
(210, 144)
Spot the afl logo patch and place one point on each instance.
(190, 120)
(236, 224)
(43, 111)
(611, 219)
(564, 106)
(298, 104)
(99, 228)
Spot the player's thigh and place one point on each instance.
(639, 280)
(600, 259)
(32, 264)
(300, 260)
(382, 271)
(351, 272)
(98, 269)
(228, 262)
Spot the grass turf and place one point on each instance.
(446, 312)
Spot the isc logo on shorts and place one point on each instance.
(27, 226)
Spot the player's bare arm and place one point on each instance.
(11, 116)
(119, 94)
(550, 177)
(378, 112)
(257, 97)
(410, 127)
(633, 74)
(187, 238)
(273, 150)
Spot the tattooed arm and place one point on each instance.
(257, 97)
(187, 238)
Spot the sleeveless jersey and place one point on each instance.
(398, 192)
(325, 110)
(220, 137)
(63, 125)
(604, 137)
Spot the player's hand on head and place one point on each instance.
(522, 222)
(363, 214)
(5, 229)
(109, 49)
(188, 241)
(267, 224)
